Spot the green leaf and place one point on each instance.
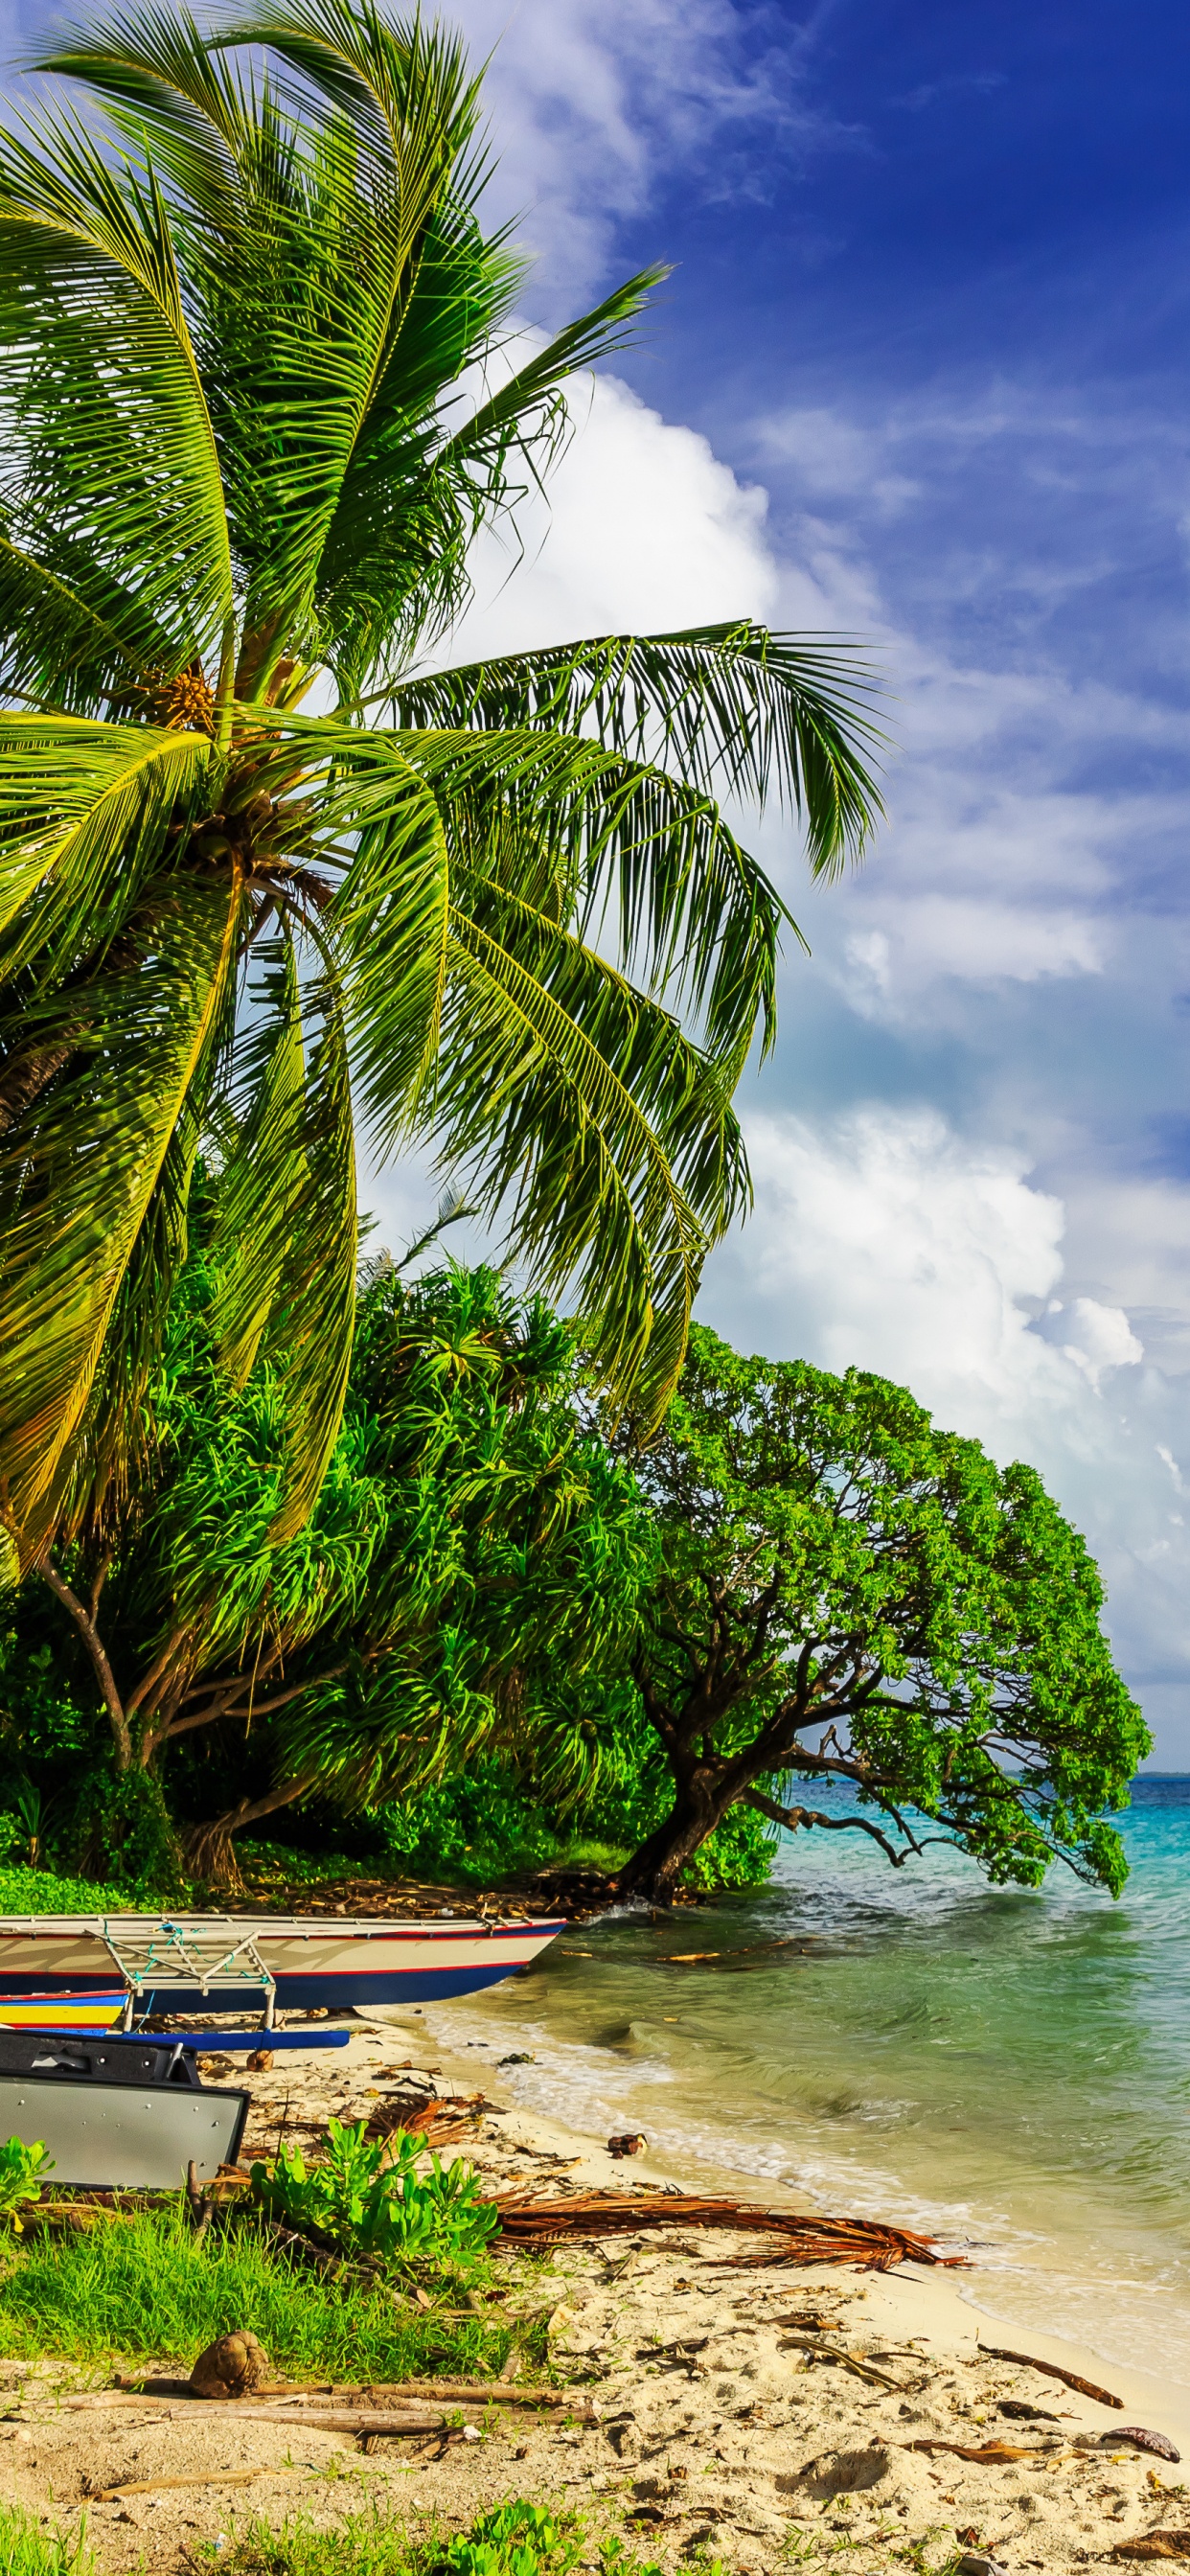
(78, 1176)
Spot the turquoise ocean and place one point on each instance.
(1009, 2070)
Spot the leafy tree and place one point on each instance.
(260, 394)
(473, 1553)
(850, 1596)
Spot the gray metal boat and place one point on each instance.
(124, 2114)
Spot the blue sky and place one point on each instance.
(921, 374)
(929, 316)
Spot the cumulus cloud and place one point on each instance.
(881, 1238)
(643, 528)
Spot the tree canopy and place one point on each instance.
(473, 1555)
(802, 1580)
(852, 1597)
(261, 389)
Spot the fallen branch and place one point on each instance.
(346, 2419)
(453, 2392)
(992, 2454)
(1052, 2370)
(810, 2239)
(1154, 2544)
(210, 2478)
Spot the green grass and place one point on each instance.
(143, 2287)
(517, 2539)
(27, 2550)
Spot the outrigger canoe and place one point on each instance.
(300, 1962)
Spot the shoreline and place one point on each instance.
(948, 2308)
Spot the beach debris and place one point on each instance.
(633, 2143)
(259, 2062)
(809, 2238)
(441, 2123)
(230, 2367)
(689, 1958)
(1154, 2544)
(437, 2392)
(152, 2486)
(520, 2057)
(975, 2562)
(1052, 2370)
(1141, 2439)
(989, 2454)
(857, 2363)
(1026, 2414)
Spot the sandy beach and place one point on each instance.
(760, 2416)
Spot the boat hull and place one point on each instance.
(122, 2137)
(316, 1962)
(99, 2010)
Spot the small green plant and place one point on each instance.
(22, 2172)
(367, 2195)
(27, 2550)
(516, 2539)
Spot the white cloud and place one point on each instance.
(835, 459)
(882, 1239)
(983, 943)
(1100, 1337)
(643, 529)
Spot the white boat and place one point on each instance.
(214, 1962)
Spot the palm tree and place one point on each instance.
(257, 406)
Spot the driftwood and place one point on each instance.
(349, 2419)
(991, 2454)
(523, 2220)
(444, 2392)
(210, 2478)
(1052, 2370)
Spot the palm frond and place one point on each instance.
(84, 811)
(104, 399)
(78, 1176)
(532, 395)
(53, 644)
(734, 709)
(172, 96)
(285, 1239)
(555, 819)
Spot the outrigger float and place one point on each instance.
(126, 2108)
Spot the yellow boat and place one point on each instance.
(63, 2012)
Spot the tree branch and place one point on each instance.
(792, 1817)
(94, 1644)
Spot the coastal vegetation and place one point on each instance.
(510, 1624)
(847, 1596)
(144, 2285)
